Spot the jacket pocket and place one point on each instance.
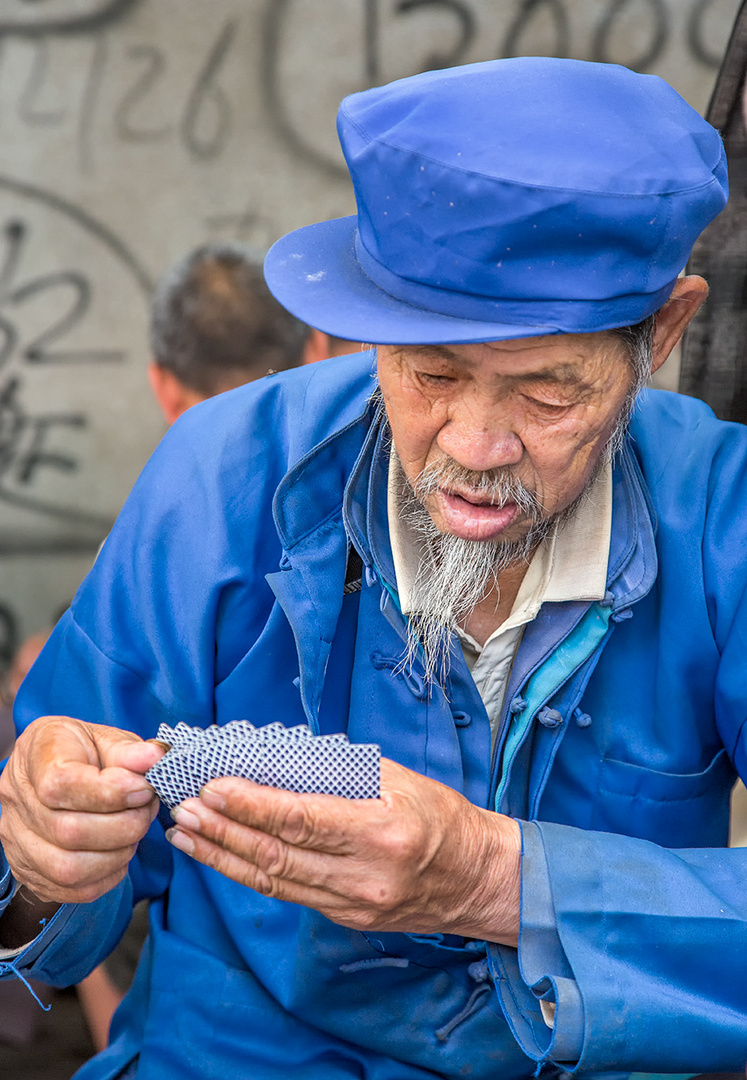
(671, 809)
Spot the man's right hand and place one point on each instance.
(75, 804)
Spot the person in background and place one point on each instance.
(321, 346)
(215, 325)
(11, 681)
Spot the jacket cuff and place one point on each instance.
(70, 945)
(8, 883)
(539, 970)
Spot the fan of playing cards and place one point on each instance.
(291, 758)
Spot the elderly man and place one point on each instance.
(526, 588)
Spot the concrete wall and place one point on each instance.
(132, 130)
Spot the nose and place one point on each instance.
(480, 434)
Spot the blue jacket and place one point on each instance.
(219, 595)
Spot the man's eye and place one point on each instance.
(433, 379)
(548, 408)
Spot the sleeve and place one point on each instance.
(130, 655)
(640, 947)
(74, 941)
(642, 950)
(169, 608)
(72, 677)
(7, 884)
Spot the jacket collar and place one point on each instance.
(633, 562)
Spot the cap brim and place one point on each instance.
(315, 274)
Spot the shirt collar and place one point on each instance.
(571, 564)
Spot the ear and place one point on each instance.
(173, 396)
(671, 319)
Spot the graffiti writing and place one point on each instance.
(206, 114)
(48, 322)
(636, 33)
(24, 445)
(29, 17)
(41, 348)
(138, 95)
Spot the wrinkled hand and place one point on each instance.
(420, 859)
(74, 806)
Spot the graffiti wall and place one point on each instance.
(132, 130)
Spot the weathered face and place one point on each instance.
(541, 409)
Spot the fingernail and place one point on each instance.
(213, 799)
(180, 840)
(186, 819)
(140, 797)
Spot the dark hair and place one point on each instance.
(215, 324)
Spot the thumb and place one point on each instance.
(124, 750)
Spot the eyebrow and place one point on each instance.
(566, 375)
(436, 352)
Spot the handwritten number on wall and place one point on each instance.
(207, 116)
(12, 295)
(467, 30)
(38, 350)
(699, 15)
(608, 31)
(518, 36)
(153, 65)
(28, 105)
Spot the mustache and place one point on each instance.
(495, 486)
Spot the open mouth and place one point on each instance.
(475, 498)
(473, 516)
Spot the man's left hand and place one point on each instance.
(420, 859)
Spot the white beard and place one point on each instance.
(454, 574)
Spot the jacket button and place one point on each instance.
(549, 718)
(621, 616)
(479, 970)
(517, 705)
(582, 718)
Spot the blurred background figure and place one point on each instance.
(11, 681)
(320, 346)
(214, 326)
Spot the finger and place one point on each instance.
(74, 830)
(78, 877)
(254, 877)
(268, 853)
(61, 762)
(136, 756)
(87, 789)
(320, 822)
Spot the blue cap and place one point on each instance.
(506, 199)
